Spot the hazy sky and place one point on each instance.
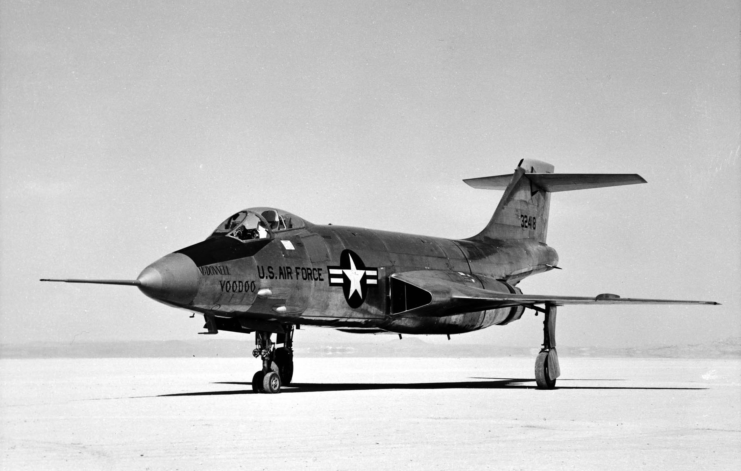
(131, 129)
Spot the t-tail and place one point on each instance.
(522, 212)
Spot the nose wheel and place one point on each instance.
(547, 368)
(277, 363)
(257, 381)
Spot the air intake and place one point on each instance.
(405, 296)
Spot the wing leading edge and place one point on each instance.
(457, 293)
(496, 299)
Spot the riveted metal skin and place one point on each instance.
(301, 292)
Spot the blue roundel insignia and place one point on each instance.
(354, 278)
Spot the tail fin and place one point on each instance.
(523, 210)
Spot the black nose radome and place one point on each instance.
(173, 278)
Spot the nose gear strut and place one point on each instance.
(277, 363)
(547, 368)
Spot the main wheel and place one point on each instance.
(284, 360)
(542, 375)
(257, 382)
(271, 383)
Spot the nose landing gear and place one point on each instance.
(277, 363)
(547, 368)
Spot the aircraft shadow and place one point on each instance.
(493, 383)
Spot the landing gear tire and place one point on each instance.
(284, 360)
(542, 373)
(257, 382)
(271, 383)
(547, 368)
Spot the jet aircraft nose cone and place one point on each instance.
(174, 278)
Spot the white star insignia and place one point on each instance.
(351, 278)
(355, 276)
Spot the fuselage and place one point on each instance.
(339, 277)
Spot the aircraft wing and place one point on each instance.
(457, 293)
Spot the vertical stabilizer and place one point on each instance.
(522, 212)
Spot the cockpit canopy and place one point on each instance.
(257, 223)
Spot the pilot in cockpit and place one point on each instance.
(273, 219)
(244, 233)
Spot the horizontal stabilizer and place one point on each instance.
(555, 182)
(498, 182)
(582, 181)
(97, 282)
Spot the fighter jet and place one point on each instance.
(268, 271)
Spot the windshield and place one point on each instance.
(231, 223)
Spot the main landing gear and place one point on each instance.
(277, 363)
(546, 363)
